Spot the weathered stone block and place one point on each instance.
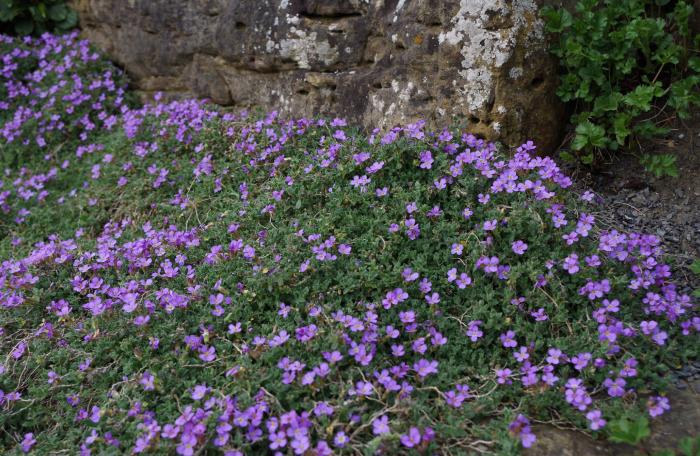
(375, 62)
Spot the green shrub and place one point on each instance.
(27, 17)
(628, 66)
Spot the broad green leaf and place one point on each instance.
(641, 97)
(58, 12)
(588, 134)
(626, 431)
(608, 102)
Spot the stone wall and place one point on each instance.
(375, 62)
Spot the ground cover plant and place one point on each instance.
(178, 279)
(628, 68)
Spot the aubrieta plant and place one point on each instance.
(183, 280)
(628, 66)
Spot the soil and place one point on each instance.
(634, 200)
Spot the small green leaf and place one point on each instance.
(567, 157)
(694, 64)
(695, 267)
(660, 165)
(690, 446)
(621, 123)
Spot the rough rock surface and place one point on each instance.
(376, 62)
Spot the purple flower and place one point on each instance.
(408, 275)
(278, 440)
(616, 388)
(432, 299)
(423, 367)
(508, 339)
(581, 360)
(199, 392)
(412, 229)
(95, 414)
(363, 389)
(187, 445)
(28, 442)
(463, 281)
(473, 331)
(340, 439)
(490, 225)
(522, 354)
(595, 420)
(380, 192)
(657, 405)
(426, 160)
(412, 438)
(147, 381)
(380, 425)
(519, 247)
(520, 427)
(571, 264)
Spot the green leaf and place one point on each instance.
(621, 129)
(660, 165)
(556, 21)
(58, 12)
(41, 8)
(642, 96)
(685, 94)
(588, 134)
(694, 64)
(695, 267)
(690, 446)
(648, 129)
(626, 431)
(608, 102)
(24, 27)
(7, 13)
(567, 157)
(70, 21)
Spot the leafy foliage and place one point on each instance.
(625, 430)
(179, 279)
(660, 165)
(627, 65)
(27, 17)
